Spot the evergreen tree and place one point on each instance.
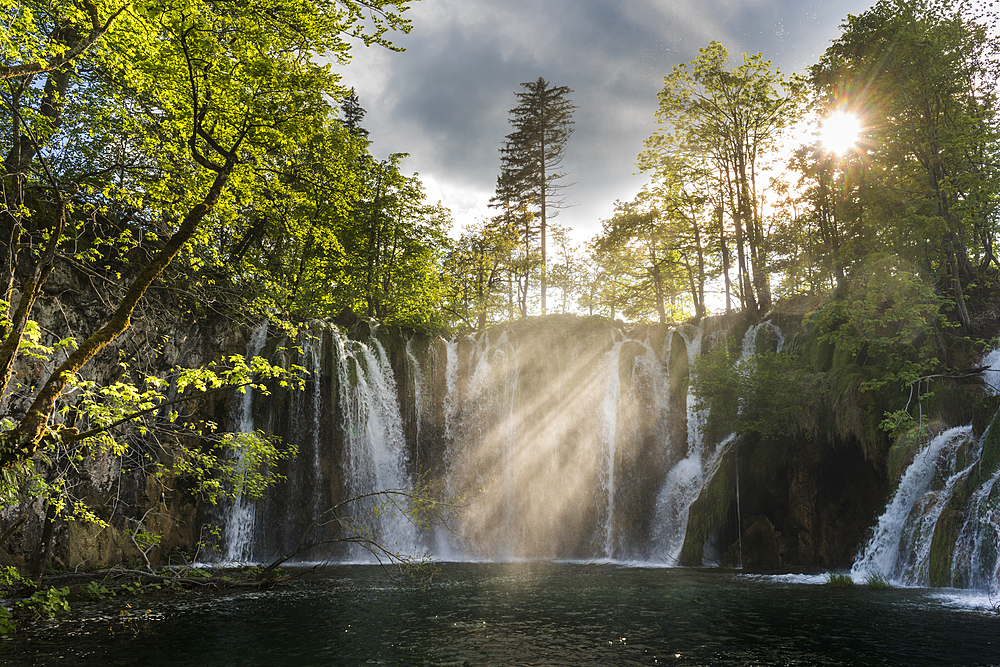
(354, 113)
(533, 153)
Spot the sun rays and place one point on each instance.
(840, 132)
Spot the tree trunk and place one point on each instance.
(21, 442)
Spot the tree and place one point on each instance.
(566, 266)
(921, 75)
(727, 120)
(478, 266)
(155, 121)
(640, 241)
(532, 154)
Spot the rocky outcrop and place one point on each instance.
(124, 491)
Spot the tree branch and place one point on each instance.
(69, 436)
(98, 31)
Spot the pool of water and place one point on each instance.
(523, 614)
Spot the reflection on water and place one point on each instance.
(524, 614)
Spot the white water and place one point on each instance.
(542, 456)
(900, 545)
(418, 392)
(241, 520)
(312, 349)
(975, 560)
(991, 376)
(451, 388)
(609, 441)
(687, 478)
(375, 449)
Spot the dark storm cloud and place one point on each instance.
(445, 100)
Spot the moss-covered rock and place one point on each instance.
(711, 512)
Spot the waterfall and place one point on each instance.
(693, 474)
(686, 479)
(419, 408)
(749, 345)
(312, 349)
(942, 524)
(566, 438)
(991, 376)
(609, 438)
(239, 524)
(375, 449)
(975, 558)
(900, 546)
(451, 387)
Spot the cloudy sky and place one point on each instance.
(445, 100)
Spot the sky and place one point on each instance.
(445, 100)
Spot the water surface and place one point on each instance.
(523, 614)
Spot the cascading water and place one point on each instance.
(686, 479)
(975, 559)
(942, 525)
(568, 438)
(419, 395)
(451, 388)
(239, 522)
(609, 438)
(375, 450)
(900, 546)
(693, 474)
(553, 442)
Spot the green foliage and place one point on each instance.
(11, 578)
(237, 465)
(119, 417)
(656, 261)
(719, 124)
(761, 395)
(132, 587)
(337, 230)
(46, 603)
(7, 623)
(95, 590)
(921, 77)
(886, 317)
(839, 580)
(876, 581)
(138, 133)
(479, 270)
(884, 327)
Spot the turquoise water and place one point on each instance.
(523, 614)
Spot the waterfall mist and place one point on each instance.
(574, 438)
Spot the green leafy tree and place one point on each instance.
(136, 133)
(202, 92)
(525, 262)
(479, 269)
(727, 120)
(921, 76)
(566, 266)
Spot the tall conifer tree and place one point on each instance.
(533, 152)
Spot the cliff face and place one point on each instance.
(800, 504)
(566, 437)
(123, 491)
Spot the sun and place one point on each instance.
(839, 133)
